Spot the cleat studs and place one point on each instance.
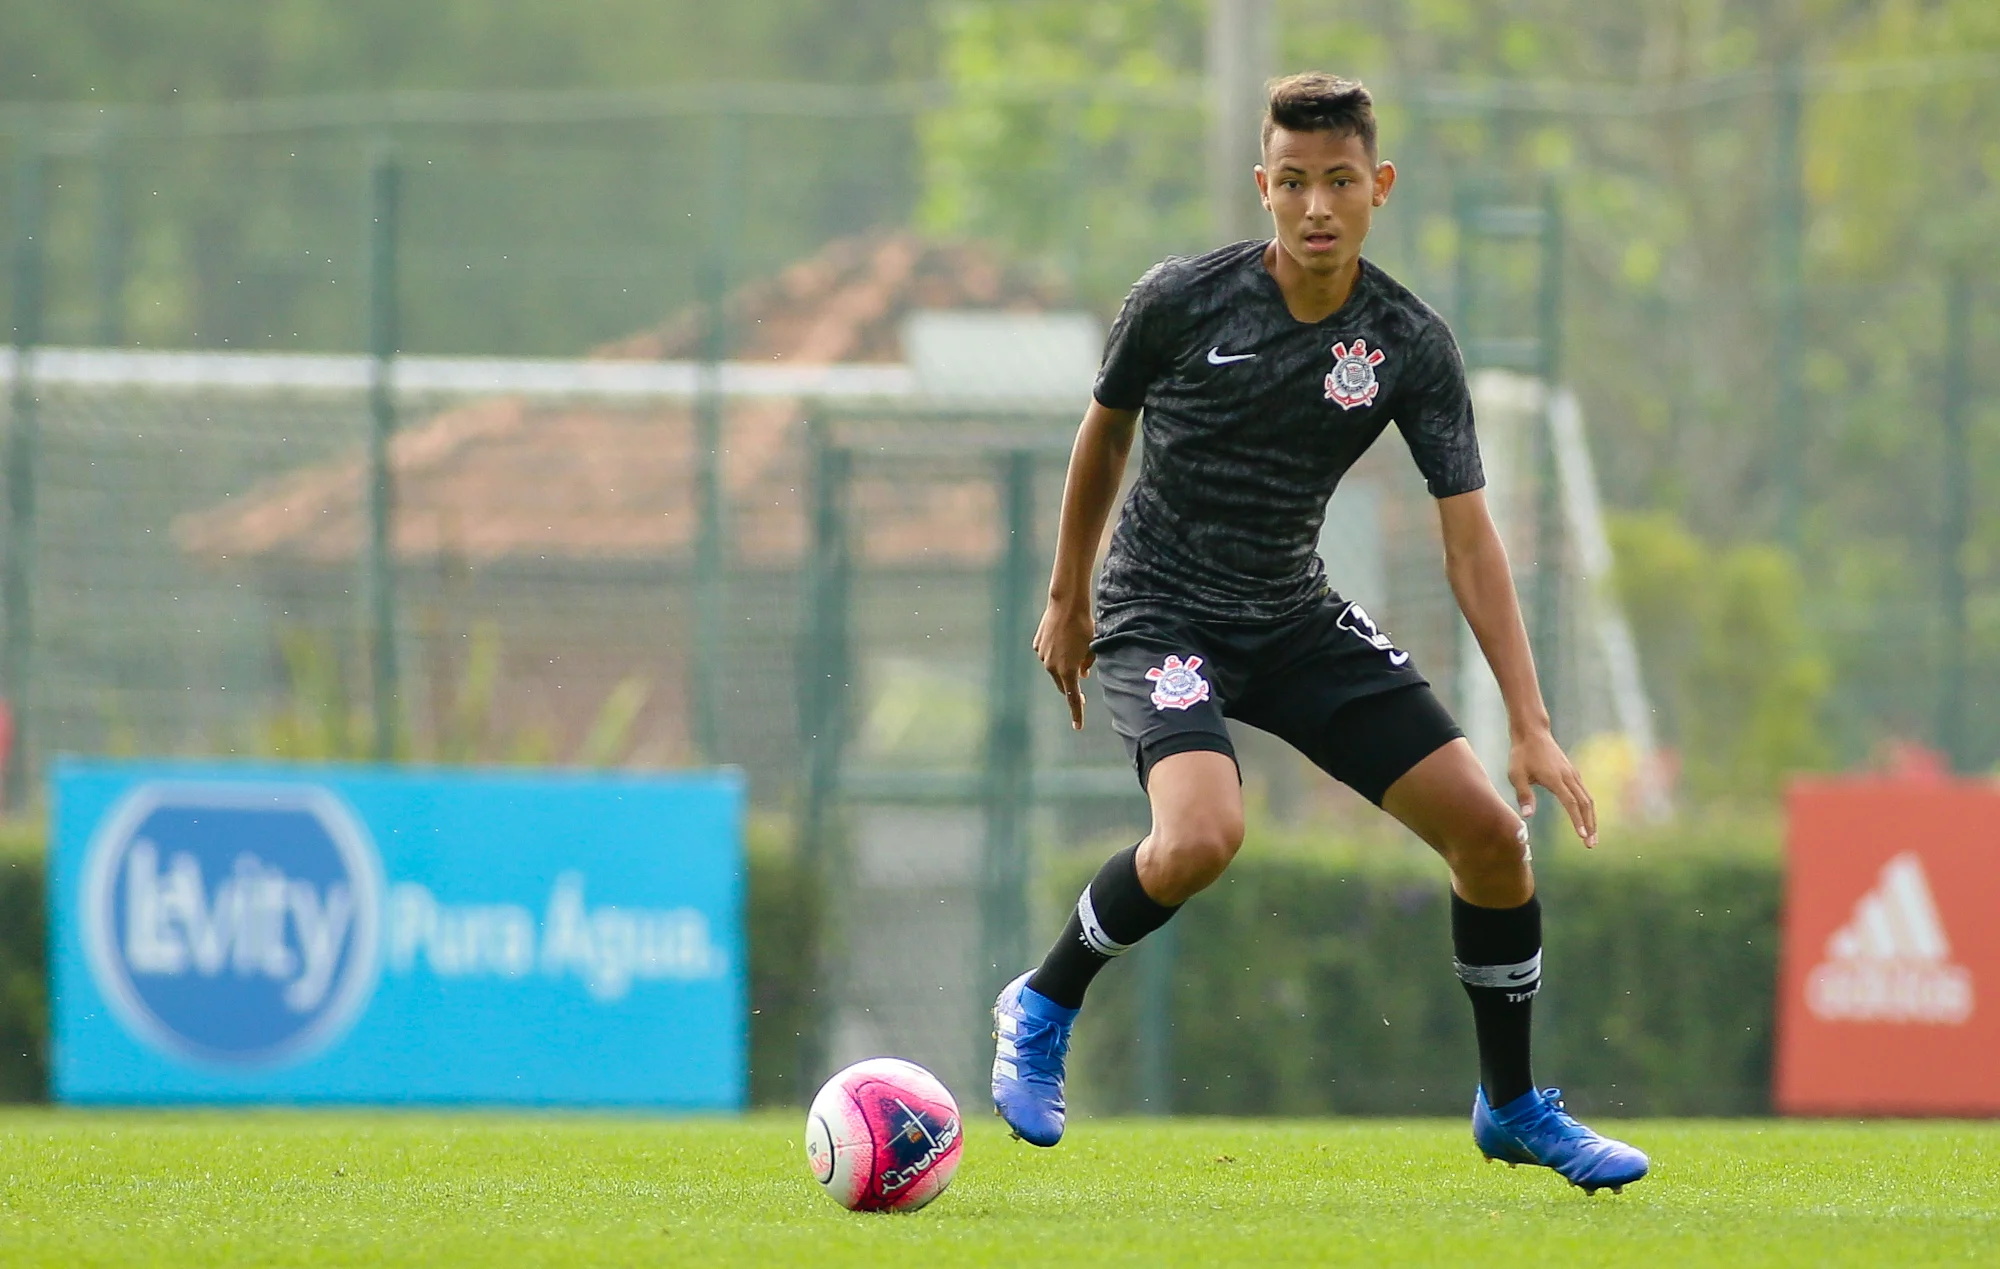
(1617, 1189)
(1512, 1164)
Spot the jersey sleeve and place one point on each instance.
(1435, 417)
(1136, 351)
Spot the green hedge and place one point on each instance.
(783, 920)
(23, 981)
(1317, 980)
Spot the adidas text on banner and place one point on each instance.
(1892, 961)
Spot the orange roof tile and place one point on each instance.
(510, 477)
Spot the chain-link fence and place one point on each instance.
(198, 569)
(1761, 354)
(740, 532)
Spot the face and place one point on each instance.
(1322, 189)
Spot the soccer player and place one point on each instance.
(1264, 370)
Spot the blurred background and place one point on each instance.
(669, 384)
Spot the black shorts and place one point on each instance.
(1329, 683)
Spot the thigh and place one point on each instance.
(1165, 690)
(1448, 801)
(1335, 688)
(1195, 794)
(1197, 801)
(1371, 742)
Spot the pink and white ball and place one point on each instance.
(883, 1136)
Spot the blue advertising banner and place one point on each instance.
(296, 933)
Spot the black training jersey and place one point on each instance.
(1252, 417)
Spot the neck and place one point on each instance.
(1311, 296)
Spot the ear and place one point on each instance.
(1385, 180)
(1263, 186)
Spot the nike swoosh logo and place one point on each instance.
(1399, 658)
(1216, 357)
(1519, 975)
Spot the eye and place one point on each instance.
(1289, 183)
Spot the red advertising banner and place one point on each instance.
(1889, 984)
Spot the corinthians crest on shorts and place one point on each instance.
(1176, 683)
(1352, 381)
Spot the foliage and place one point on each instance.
(157, 50)
(1089, 178)
(23, 980)
(197, 228)
(325, 716)
(1726, 638)
(1073, 134)
(1315, 978)
(919, 715)
(119, 1188)
(784, 921)
(1671, 271)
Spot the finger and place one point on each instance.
(1067, 686)
(1089, 659)
(1074, 695)
(1589, 805)
(1524, 795)
(1566, 793)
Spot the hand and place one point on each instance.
(1535, 759)
(1062, 643)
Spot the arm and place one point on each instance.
(1096, 463)
(1475, 562)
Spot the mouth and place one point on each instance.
(1321, 241)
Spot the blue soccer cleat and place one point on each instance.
(1534, 1128)
(1031, 1038)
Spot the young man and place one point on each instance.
(1265, 369)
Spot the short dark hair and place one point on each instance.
(1318, 102)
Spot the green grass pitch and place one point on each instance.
(80, 1188)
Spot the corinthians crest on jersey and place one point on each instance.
(1178, 684)
(1351, 382)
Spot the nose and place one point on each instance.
(1319, 204)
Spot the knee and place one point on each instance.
(1191, 854)
(1497, 843)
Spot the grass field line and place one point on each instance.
(281, 1188)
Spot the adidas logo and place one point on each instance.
(1891, 962)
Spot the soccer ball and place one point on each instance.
(883, 1136)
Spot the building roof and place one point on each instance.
(511, 477)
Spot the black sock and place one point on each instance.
(1113, 912)
(1498, 955)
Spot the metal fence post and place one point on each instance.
(1546, 630)
(108, 251)
(710, 582)
(1157, 957)
(1009, 754)
(379, 581)
(17, 637)
(824, 676)
(1954, 522)
(1788, 325)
